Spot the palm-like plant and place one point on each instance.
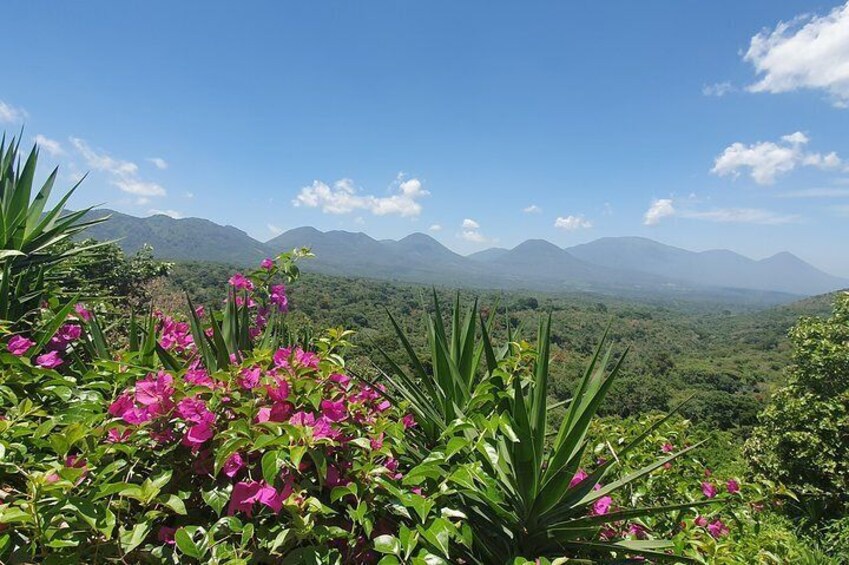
(30, 234)
(514, 476)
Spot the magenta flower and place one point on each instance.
(717, 529)
(342, 380)
(579, 476)
(334, 411)
(667, 448)
(708, 489)
(732, 486)
(233, 465)
(267, 263)
(19, 345)
(240, 281)
(114, 435)
(197, 435)
(49, 360)
(82, 312)
(700, 521)
(166, 535)
(637, 531)
(306, 358)
(68, 333)
(194, 410)
(281, 357)
(278, 393)
(277, 296)
(198, 377)
(602, 506)
(246, 494)
(409, 421)
(155, 390)
(334, 477)
(250, 377)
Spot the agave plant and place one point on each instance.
(30, 234)
(456, 382)
(519, 481)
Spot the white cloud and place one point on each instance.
(718, 89)
(572, 223)
(809, 52)
(158, 162)
(189, 195)
(170, 213)
(659, 209)
(343, 198)
(767, 160)
(532, 209)
(275, 230)
(50, 145)
(816, 193)
(473, 236)
(124, 174)
(10, 114)
(435, 227)
(471, 231)
(664, 208)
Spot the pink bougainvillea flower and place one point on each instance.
(708, 472)
(200, 311)
(607, 533)
(335, 411)
(49, 360)
(667, 448)
(602, 506)
(233, 465)
(241, 282)
(667, 465)
(114, 435)
(277, 296)
(197, 435)
(376, 442)
(281, 357)
(243, 497)
(700, 521)
(176, 335)
(334, 477)
(343, 380)
(708, 489)
(69, 333)
(194, 410)
(82, 312)
(278, 393)
(267, 263)
(199, 377)
(19, 345)
(637, 531)
(717, 528)
(409, 421)
(579, 476)
(732, 486)
(166, 535)
(250, 377)
(155, 390)
(306, 358)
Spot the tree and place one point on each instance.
(802, 439)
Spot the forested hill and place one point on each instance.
(624, 266)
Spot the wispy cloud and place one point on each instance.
(158, 162)
(10, 114)
(170, 213)
(717, 89)
(344, 197)
(275, 230)
(532, 209)
(572, 223)
(766, 160)
(435, 227)
(809, 52)
(123, 174)
(816, 193)
(666, 208)
(52, 146)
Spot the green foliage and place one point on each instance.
(31, 233)
(801, 437)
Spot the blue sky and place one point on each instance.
(700, 124)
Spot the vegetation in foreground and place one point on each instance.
(231, 432)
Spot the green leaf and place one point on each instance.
(186, 544)
(387, 544)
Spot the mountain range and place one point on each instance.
(623, 265)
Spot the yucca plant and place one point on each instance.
(30, 233)
(456, 381)
(514, 475)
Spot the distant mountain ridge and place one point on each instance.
(612, 264)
